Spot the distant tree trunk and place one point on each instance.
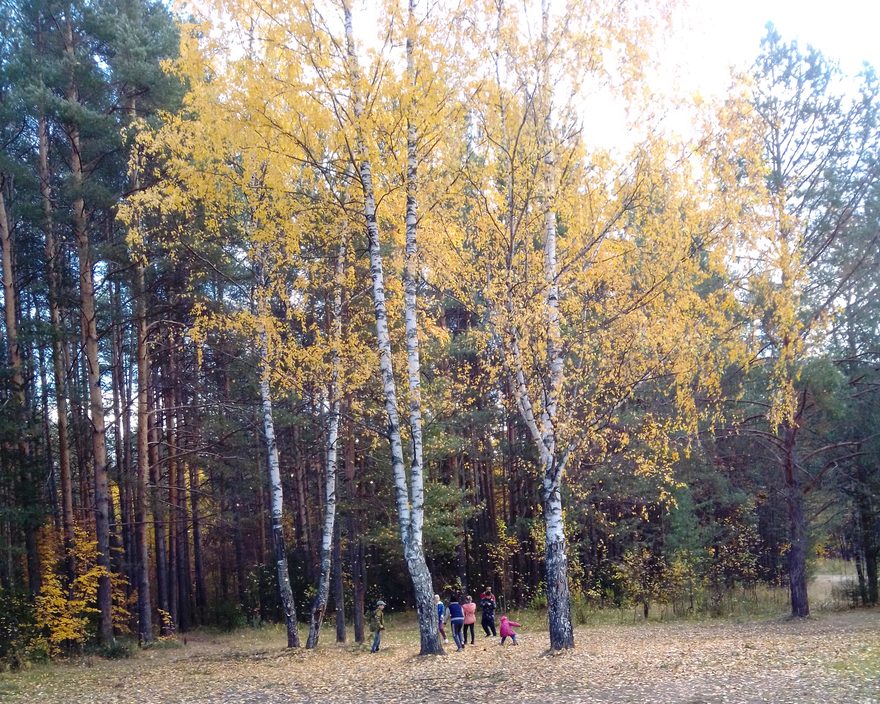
(195, 494)
(867, 520)
(338, 586)
(329, 531)
(797, 526)
(240, 576)
(120, 542)
(26, 494)
(52, 484)
(355, 544)
(90, 343)
(171, 458)
(142, 568)
(284, 591)
(159, 535)
(58, 369)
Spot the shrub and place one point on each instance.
(228, 616)
(18, 636)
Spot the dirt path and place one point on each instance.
(831, 658)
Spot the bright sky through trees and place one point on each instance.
(718, 34)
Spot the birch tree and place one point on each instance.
(329, 533)
(582, 263)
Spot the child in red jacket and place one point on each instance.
(507, 627)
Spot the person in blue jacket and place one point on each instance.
(441, 616)
(456, 618)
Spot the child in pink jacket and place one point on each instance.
(507, 627)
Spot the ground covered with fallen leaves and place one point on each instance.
(832, 657)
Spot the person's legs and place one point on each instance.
(503, 638)
(484, 622)
(376, 639)
(513, 639)
(442, 632)
(469, 627)
(492, 624)
(456, 634)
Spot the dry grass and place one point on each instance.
(834, 657)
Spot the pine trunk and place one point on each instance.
(58, 369)
(797, 528)
(25, 492)
(866, 519)
(157, 504)
(142, 568)
(338, 586)
(92, 360)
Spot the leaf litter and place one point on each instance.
(829, 658)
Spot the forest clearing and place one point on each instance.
(832, 658)
(410, 319)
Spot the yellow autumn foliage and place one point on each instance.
(65, 613)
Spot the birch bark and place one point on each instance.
(319, 607)
(277, 497)
(285, 592)
(556, 556)
(410, 515)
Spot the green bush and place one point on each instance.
(227, 616)
(19, 641)
(117, 650)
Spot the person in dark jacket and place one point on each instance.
(456, 618)
(377, 625)
(487, 604)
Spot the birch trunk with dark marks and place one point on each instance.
(277, 498)
(319, 607)
(92, 359)
(556, 556)
(410, 515)
(543, 423)
(427, 612)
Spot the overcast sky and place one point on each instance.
(724, 32)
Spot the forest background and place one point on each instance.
(300, 312)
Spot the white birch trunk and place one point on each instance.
(276, 497)
(555, 554)
(319, 607)
(409, 517)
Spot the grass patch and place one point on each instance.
(865, 665)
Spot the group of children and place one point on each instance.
(463, 616)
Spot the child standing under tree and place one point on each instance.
(441, 616)
(377, 625)
(507, 631)
(470, 617)
(487, 604)
(456, 618)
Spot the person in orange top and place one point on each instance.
(470, 617)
